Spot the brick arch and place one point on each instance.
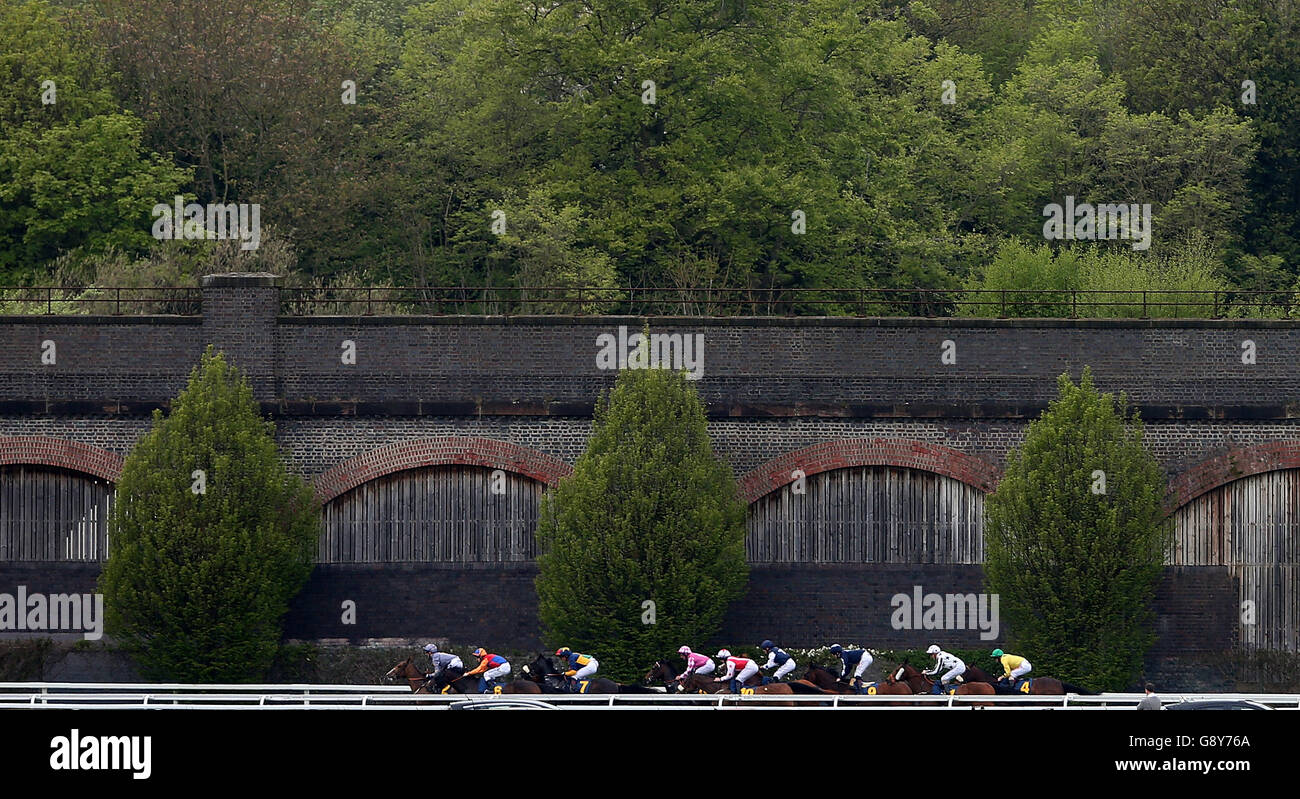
(442, 451)
(905, 453)
(61, 453)
(1232, 465)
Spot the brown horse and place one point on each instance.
(921, 684)
(826, 680)
(665, 671)
(1037, 686)
(708, 685)
(412, 674)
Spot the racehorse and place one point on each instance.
(667, 672)
(543, 673)
(705, 684)
(1037, 686)
(921, 684)
(825, 679)
(664, 671)
(408, 670)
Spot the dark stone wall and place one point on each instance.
(772, 386)
(801, 367)
(798, 605)
(491, 603)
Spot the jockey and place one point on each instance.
(943, 660)
(580, 666)
(1013, 666)
(489, 668)
(778, 658)
(445, 665)
(695, 663)
(739, 669)
(859, 660)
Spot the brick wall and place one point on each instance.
(800, 368)
(799, 606)
(780, 393)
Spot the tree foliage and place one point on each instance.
(914, 138)
(74, 172)
(1075, 539)
(210, 537)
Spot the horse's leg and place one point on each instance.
(976, 689)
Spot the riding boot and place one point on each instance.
(482, 685)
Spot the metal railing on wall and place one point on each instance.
(604, 301)
(597, 301)
(97, 300)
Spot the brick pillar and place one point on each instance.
(239, 312)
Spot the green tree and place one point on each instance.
(210, 537)
(649, 513)
(1075, 539)
(75, 176)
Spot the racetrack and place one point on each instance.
(146, 696)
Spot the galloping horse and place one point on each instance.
(408, 670)
(664, 671)
(667, 672)
(708, 685)
(1034, 686)
(704, 684)
(920, 684)
(544, 674)
(825, 679)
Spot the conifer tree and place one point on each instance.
(209, 539)
(1075, 539)
(649, 515)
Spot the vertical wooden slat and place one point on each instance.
(442, 514)
(53, 515)
(869, 515)
(1250, 526)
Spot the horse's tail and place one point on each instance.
(1071, 688)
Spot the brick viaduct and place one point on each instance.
(516, 393)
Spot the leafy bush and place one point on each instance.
(1096, 282)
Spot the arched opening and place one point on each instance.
(869, 514)
(1251, 526)
(53, 514)
(440, 514)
